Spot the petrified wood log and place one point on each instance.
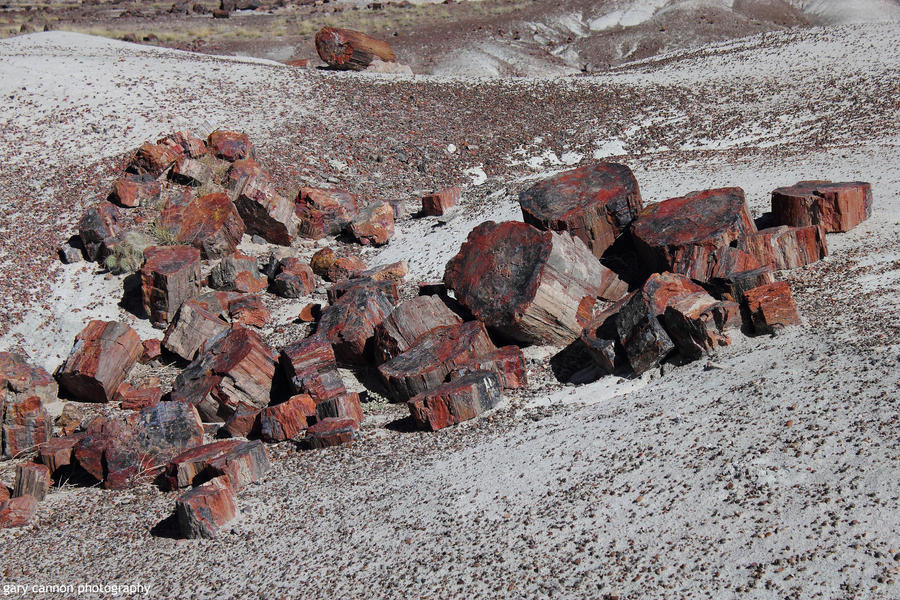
(771, 307)
(324, 211)
(99, 225)
(170, 275)
(32, 479)
(230, 145)
(243, 422)
(242, 465)
(311, 368)
(733, 286)
(210, 223)
(601, 337)
(387, 287)
(349, 324)
(192, 328)
(192, 172)
(238, 272)
(294, 278)
(17, 512)
(57, 452)
(697, 323)
(235, 369)
(786, 247)
(436, 204)
(321, 261)
(189, 467)
(283, 421)
(20, 379)
(507, 363)
(346, 406)
(203, 511)
(266, 212)
(351, 50)
(835, 206)
(131, 398)
(528, 283)
(682, 234)
(190, 144)
(594, 203)
(240, 172)
(409, 321)
(373, 225)
(153, 159)
(330, 432)
(459, 400)
(136, 190)
(25, 425)
(151, 350)
(433, 357)
(101, 358)
(395, 271)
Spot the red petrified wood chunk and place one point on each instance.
(508, 363)
(294, 279)
(203, 511)
(387, 287)
(98, 228)
(374, 225)
(101, 358)
(242, 423)
(331, 432)
(136, 190)
(238, 272)
(601, 337)
(186, 469)
(457, 401)
(340, 407)
(528, 283)
(230, 145)
(286, 420)
(26, 424)
(16, 512)
(731, 287)
(130, 398)
(57, 452)
(787, 247)
(210, 223)
(349, 324)
(351, 50)
(836, 207)
(32, 479)
(395, 271)
(242, 465)
(409, 321)
(20, 380)
(771, 307)
(594, 203)
(434, 356)
(311, 368)
(240, 172)
(4, 494)
(151, 350)
(170, 275)
(190, 144)
(697, 323)
(153, 159)
(322, 260)
(192, 172)
(436, 204)
(235, 370)
(683, 234)
(266, 212)
(324, 211)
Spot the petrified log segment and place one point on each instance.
(733, 286)
(601, 337)
(187, 142)
(771, 307)
(330, 432)
(242, 465)
(203, 511)
(594, 203)
(387, 287)
(436, 204)
(136, 190)
(170, 275)
(210, 223)
(57, 452)
(409, 321)
(19, 380)
(17, 512)
(238, 272)
(32, 479)
(528, 283)
(153, 159)
(235, 370)
(98, 227)
(230, 145)
(192, 328)
(374, 225)
(151, 350)
(266, 212)
(322, 260)
(683, 234)
(242, 423)
(351, 50)
(101, 358)
(395, 271)
(187, 468)
(837, 207)
(697, 323)
(283, 421)
(507, 363)
(459, 400)
(434, 356)
(786, 247)
(192, 172)
(131, 398)
(311, 368)
(240, 172)
(349, 324)
(25, 425)
(346, 406)
(324, 211)
(295, 278)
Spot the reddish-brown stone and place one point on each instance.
(32, 479)
(284, 421)
(130, 398)
(322, 261)
(98, 227)
(345, 267)
(409, 321)
(837, 207)
(436, 204)
(350, 50)
(153, 159)
(310, 313)
(594, 203)
(390, 272)
(244, 464)
(373, 225)
(202, 318)
(248, 309)
(330, 432)
(4, 494)
(20, 379)
(169, 277)
(311, 368)
(346, 406)
(732, 287)
(238, 272)
(136, 190)
(387, 287)
(151, 350)
(786, 247)
(433, 357)
(101, 358)
(294, 278)
(266, 212)
(235, 369)
(205, 510)
(25, 425)
(240, 172)
(349, 324)
(528, 283)
(683, 234)
(242, 423)
(187, 142)
(210, 223)
(508, 363)
(771, 307)
(189, 467)
(69, 421)
(601, 337)
(230, 145)
(457, 401)
(57, 452)
(324, 211)
(17, 512)
(697, 323)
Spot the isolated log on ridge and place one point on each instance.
(351, 50)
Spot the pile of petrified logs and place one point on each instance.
(590, 265)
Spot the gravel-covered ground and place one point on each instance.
(768, 471)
